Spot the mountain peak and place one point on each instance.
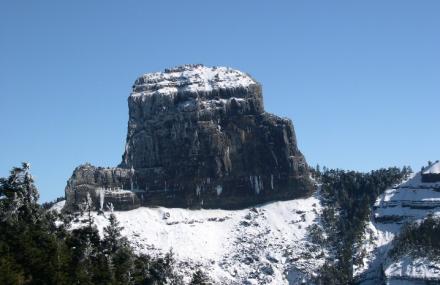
(198, 137)
(192, 78)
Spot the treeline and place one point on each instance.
(419, 239)
(348, 197)
(37, 247)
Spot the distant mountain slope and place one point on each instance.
(411, 201)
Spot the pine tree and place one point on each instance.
(113, 239)
(199, 278)
(34, 249)
(18, 195)
(29, 249)
(116, 248)
(88, 204)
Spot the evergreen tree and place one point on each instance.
(113, 239)
(36, 249)
(347, 198)
(199, 278)
(119, 253)
(29, 250)
(18, 195)
(419, 239)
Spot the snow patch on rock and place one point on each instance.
(190, 78)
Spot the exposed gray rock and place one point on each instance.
(199, 137)
(105, 186)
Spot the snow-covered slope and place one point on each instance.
(267, 244)
(432, 169)
(57, 207)
(410, 201)
(270, 244)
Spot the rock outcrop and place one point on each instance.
(198, 137)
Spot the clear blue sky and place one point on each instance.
(359, 79)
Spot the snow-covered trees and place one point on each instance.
(419, 239)
(199, 278)
(18, 194)
(348, 197)
(118, 251)
(113, 239)
(35, 248)
(29, 249)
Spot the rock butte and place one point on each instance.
(198, 137)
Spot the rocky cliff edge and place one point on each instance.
(198, 137)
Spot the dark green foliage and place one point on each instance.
(34, 249)
(18, 196)
(113, 240)
(316, 234)
(330, 274)
(163, 270)
(348, 198)
(419, 239)
(199, 278)
(29, 248)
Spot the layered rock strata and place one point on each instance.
(199, 137)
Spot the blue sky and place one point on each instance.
(359, 79)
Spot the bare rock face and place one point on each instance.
(104, 185)
(199, 137)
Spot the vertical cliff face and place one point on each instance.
(199, 136)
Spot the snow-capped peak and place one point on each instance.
(191, 78)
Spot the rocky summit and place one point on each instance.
(198, 137)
